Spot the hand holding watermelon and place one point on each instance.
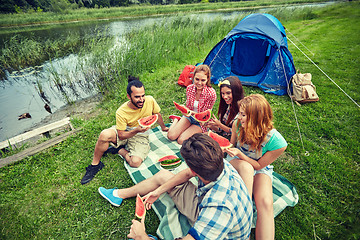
(137, 229)
(235, 152)
(213, 123)
(141, 129)
(150, 198)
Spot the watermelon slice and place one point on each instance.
(223, 142)
(171, 166)
(140, 209)
(148, 121)
(184, 110)
(170, 162)
(203, 117)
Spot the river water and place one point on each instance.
(28, 90)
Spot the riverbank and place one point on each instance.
(42, 196)
(12, 23)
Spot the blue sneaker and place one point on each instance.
(150, 236)
(108, 195)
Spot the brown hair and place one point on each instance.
(237, 92)
(203, 155)
(259, 120)
(204, 68)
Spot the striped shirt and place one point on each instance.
(225, 211)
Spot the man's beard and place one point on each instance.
(136, 103)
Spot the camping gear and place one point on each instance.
(256, 51)
(303, 89)
(186, 76)
(172, 223)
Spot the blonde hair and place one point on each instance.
(259, 121)
(204, 68)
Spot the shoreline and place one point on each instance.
(84, 109)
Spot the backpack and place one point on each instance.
(186, 77)
(303, 89)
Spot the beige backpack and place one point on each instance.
(303, 89)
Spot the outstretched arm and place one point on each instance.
(268, 158)
(160, 121)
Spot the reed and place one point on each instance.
(83, 14)
(20, 52)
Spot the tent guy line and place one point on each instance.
(325, 73)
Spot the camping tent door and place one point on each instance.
(249, 56)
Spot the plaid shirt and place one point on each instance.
(206, 101)
(225, 211)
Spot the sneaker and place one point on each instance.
(108, 195)
(91, 171)
(173, 117)
(113, 150)
(151, 237)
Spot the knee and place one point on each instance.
(180, 141)
(106, 135)
(246, 168)
(243, 168)
(135, 162)
(171, 135)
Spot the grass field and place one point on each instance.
(41, 197)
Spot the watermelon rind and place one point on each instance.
(154, 119)
(181, 108)
(200, 116)
(169, 161)
(223, 142)
(139, 206)
(171, 166)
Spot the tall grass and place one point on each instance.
(41, 196)
(7, 20)
(20, 52)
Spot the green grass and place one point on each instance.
(41, 197)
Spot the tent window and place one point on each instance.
(249, 56)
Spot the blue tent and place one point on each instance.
(256, 51)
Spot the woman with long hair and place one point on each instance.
(258, 145)
(231, 91)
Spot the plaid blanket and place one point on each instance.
(172, 223)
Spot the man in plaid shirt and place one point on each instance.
(218, 208)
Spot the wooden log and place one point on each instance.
(35, 132)
(33, 150)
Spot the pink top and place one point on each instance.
(206, 101)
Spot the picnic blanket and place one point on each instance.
(172, 223)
